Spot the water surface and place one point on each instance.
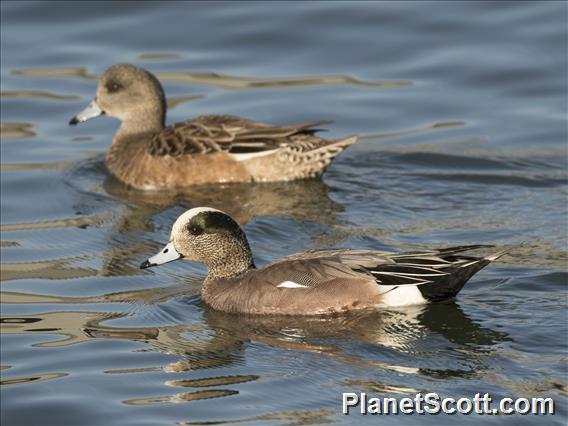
(462, 111)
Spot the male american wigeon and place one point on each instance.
(147, 154)
(312, 282)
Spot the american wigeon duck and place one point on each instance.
(147, 154)
(312, 282)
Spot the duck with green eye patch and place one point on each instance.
(313, 282)
(212, 223)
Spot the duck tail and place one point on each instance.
(345, 142)
(497, 255)
(464, 268)
(438, 275)
(314, 162)
(331, 148)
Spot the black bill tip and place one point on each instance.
(73, 121)
(146, 264)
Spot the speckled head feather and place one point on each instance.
(212, 237)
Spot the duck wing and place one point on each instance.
(207, 134)
(438, 274)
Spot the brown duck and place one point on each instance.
(312, 282)
(208, 149)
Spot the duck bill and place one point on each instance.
(93, 110)
(167, 254)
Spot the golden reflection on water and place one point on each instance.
(211, 381)
(78, 222)
(159, 56)
(30, 379)
(226, 81)
(68, 324)
(16, 131)
(38, 94)
(9, 244)
(82, 138)
(147, 296)
(196, 395)
(46, 269)
(10, 297)
(232, 82)
(291, 418)
(178, 398)
(412, 132)
(60, 165)
(55, 72)
(174, 101)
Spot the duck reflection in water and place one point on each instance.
(409, 332)
(306, 200)
(405, 341)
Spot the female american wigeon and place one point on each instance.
(208, 149)
(312, 282)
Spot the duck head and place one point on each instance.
(207, 236)
(131, 94)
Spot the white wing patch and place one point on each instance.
(244, 157)
(290, 284)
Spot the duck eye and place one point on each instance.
(195, 230)
(113, 87)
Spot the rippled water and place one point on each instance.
(462, 109)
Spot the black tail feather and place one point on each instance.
(438, 274)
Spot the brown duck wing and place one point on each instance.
(207, 134)
(311, 273)
(306, 286)
(355, 259)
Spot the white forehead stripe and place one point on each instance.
(195, 211)
(186, 217)
(290, 284)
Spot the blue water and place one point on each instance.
(462, 111)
